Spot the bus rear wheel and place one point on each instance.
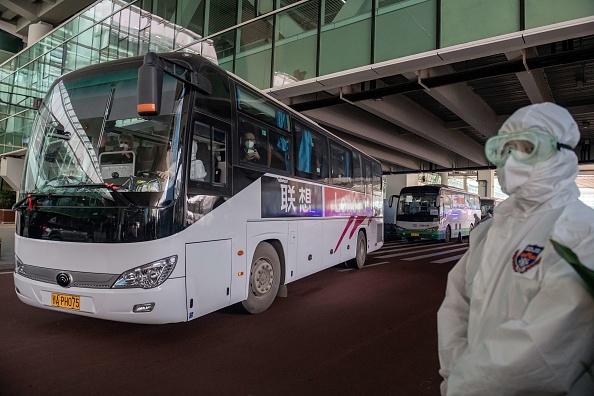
(361, 253)
(264, 279)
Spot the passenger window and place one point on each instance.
(207, 154)
(310, 153)
(358, 180)
(341, 166)
(253, 141)
(280, 151)
(377, 178)
(262, 109)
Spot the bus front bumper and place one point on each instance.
(437, 235)
(112, 304)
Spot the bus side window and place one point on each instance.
(310, 153)
(253, 143)
(341, 166)
(201, 167)
(219, 147)
(280, 151)
(358, 180)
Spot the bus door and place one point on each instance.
(208, 258)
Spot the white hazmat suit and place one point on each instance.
(517, 319)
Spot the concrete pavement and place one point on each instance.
(7, 248)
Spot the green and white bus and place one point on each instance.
(436, 212)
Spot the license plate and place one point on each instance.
(67, 301)
(414, 234)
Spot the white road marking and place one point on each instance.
(447, 259)
(434, 254)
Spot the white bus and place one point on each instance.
(436, 212)
(160, 191)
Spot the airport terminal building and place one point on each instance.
(418, 84)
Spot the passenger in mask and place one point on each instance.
(252, 151)
(124, 150)
(516, 318)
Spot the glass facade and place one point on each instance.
(266, 42)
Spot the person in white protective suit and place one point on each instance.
(517, 319)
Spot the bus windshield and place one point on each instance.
(418, 206)
(88, 134)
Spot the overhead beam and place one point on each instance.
(22, 8)
(405, 113)
(461, 100)
(8, 14)
(533, 81)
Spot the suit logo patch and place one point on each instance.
(526, 259)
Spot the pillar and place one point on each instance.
(444, 178)
(486, 181)
(37, 31)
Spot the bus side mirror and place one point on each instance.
(150, 86)
(391, 202)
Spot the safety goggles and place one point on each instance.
(529, 147)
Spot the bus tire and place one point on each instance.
(448, 234)
(361, 251)
(264, 279)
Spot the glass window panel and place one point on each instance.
(253, 140)
(296, 45)
(346, 36)
(280, 151)
(247, 10)
(546, 12)
(191, 15)
(217, 103)
(410, 26)
(265, 6)
(358, 179)
(458, 28)
(311, 153)
(261, 108)
(201, 165)
(341, 165)
(255, 52)
(224, 46)
(222, 15)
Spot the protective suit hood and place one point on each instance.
(551, 182)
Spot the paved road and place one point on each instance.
(339, 332)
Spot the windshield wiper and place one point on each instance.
(31, 198)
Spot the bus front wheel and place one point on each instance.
(264, 279)
(361, 253)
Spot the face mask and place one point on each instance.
(249, 144)
(124, 146)
(513, 175)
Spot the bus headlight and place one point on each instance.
(147, 276)
(431, 229)
(19, 267)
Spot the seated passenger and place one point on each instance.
(252, 151)
(126, 146)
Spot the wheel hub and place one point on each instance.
(263, 277)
